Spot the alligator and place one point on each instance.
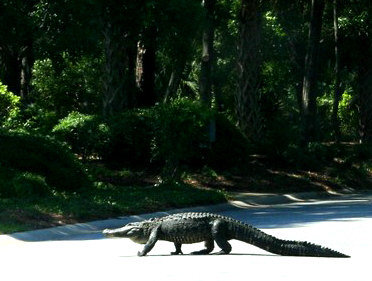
(187, 228)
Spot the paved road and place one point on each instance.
(344, 224)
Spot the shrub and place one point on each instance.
(38, 120)
(130, 139)
(43, 156)
(9, 106)
(87, 134)
(76, 86)
(21, 184)
(231, 148)
(180, 134)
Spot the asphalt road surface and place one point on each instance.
(344, 225)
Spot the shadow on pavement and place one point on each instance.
(261, 216)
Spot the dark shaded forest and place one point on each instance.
(231, 94)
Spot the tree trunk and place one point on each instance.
(249, 61)
(174, 79)
(205, 81)
(130, 78)
(114, 99)
(296, 52)
(365, 105)
(26, 70)
(12, 72)
(337, 89)
(146, 66)
(309, 91)
(365, 84)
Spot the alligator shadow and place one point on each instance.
(213, 254)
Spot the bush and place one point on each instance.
(130, 139)
(87, 134)
(231, 148)
(313, 156)
(9, 106)
(43, 156)
(37, 120)
(124, 139)
(180, 134)
(21, 184)
(76, 86)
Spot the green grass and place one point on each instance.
(102, 201)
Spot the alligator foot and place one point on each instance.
(178, 249)
(201, 252)
(177, 253)
(222, 252)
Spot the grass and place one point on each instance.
(103, 201)
(126, 192)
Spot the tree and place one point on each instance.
(247, 95)
(121, 25)
(146, 66)
(17, 31)
(205, 83)
(309, 91)
(337, 86)
(364, 76)
(207, 62)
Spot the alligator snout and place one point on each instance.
(107, 232)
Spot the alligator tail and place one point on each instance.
(256, 237)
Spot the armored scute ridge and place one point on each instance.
(186, 228)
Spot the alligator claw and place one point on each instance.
(140, 254)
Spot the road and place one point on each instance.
(344, 225)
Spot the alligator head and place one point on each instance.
(134, 231)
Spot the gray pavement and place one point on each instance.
(79, 252)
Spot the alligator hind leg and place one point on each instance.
(178, 249)
(219, 235)
(209, 246)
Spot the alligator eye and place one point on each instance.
(134, 230)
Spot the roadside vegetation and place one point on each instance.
(111, 108)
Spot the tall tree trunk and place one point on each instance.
(337, 89)
(175, 78)
(205, 82)
(249, 61)
(114, 99)
(309, 91)
(365, 82)
(12, 71)
(27, 63)
(130, 78)
(146, 66)
(365, 104)
(296, 52)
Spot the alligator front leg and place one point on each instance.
(150, 243)
(178, 249)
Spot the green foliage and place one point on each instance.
(9, 106)
(314, 156)
(87, 134)
(180, 134)
(22, 184)
(37, 119)
(75, 86)
(130, 136)
(42, 156)
(230, 149)
(348, 115)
